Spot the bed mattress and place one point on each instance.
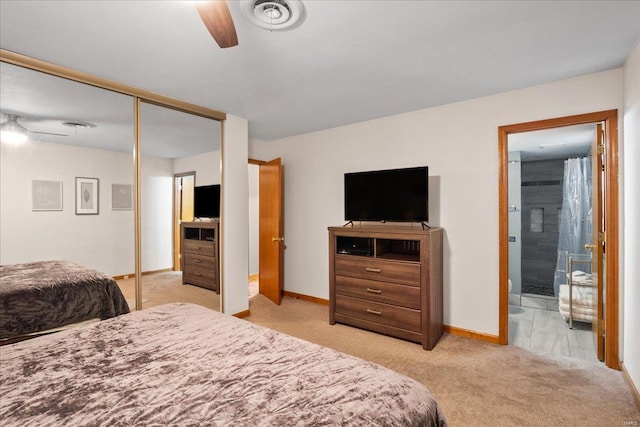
(182, 364)
(39, 296)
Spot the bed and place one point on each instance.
(40, 296)
(183, 364)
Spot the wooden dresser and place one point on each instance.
(387, 280)
(200, 260)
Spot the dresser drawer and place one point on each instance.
(203, 247)
(198, 274)
(200, 261)
(390, 315)
(371, 290)
(377, 269)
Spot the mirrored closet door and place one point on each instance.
(180, 207)
(66, 189)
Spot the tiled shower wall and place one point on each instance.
(541, 203)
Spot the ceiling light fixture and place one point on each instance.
(543, 146)
(12, 132)
(273, 14)
(76, 125)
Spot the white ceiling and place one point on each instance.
(44, 103)
(349, 61)
(557, 143)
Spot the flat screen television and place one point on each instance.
(206, 201)
(394, 195)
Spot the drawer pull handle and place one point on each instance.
(197, 248)
(373, 270)
(197, 261)
(198, 274)
(374, 291)
(377, 313)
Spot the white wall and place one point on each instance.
(254, 215)
(206, 167)
(157, 213)
(631, 233)
(104, 241)
(234, 248)
(459, 143)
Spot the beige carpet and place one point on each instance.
(475, 383)
(254, 285)
(163, 288)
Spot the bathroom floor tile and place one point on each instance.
(520, 332)
(516, 312)
(581, 338)
(532, 302)
(550, 342)
(550, 321)
(582, 353)
(545, 331)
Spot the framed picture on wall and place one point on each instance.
(87, 196)
(46, 195)
(121, 197)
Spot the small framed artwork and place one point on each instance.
(121, 197)
(87, 196)
(46, 195)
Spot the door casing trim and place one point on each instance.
(611, 207)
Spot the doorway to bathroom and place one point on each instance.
(550, 220)
(555, 295)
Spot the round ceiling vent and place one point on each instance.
(273, 14)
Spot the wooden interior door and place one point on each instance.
(183, 210)
(271, 233)
(597, 239)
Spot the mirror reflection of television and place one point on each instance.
(206, 201)
(393, 195)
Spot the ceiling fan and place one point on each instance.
(217, 18)
(13, 132)
(268, 14)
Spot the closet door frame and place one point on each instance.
(139, 96)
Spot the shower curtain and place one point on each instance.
(575, 215)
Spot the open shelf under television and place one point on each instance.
(379, 247)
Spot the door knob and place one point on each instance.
(277, 239)
(590, 246)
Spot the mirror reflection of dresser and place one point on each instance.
(200, 254)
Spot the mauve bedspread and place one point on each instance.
(48, 294)
(185, 365)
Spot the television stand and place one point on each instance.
(387, 280)
(200, 259)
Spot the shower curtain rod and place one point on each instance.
(582, 157)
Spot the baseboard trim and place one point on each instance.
(304, 297)
(144, 273)
(493, 339)
(242, 314)
(632, 386)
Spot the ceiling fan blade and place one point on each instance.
(217, 18)
(47, 133)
